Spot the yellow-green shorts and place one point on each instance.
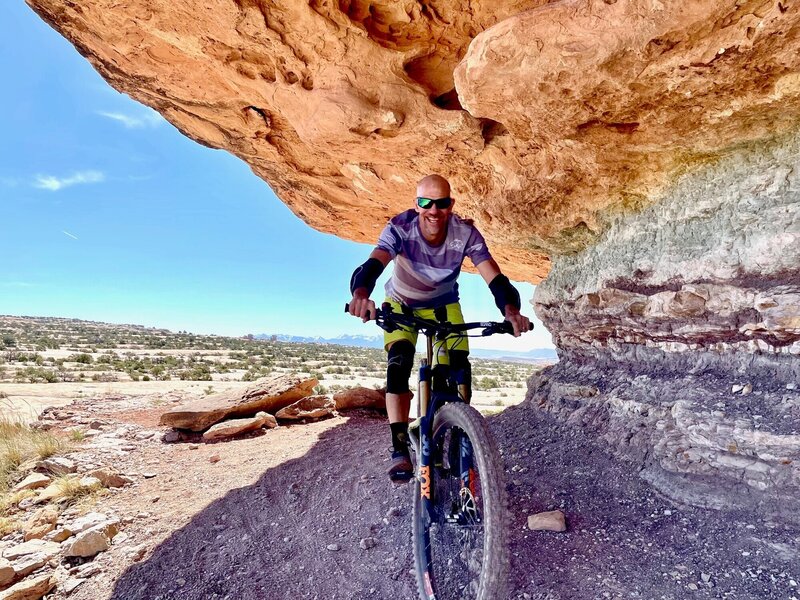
(452, 342)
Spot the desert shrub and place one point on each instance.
(83, 358)
(198, 372)
(487, 383)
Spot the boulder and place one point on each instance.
(234, 427)
(269, 395)
(93, 540)
(312, 407)
(360, 397)
(30, 589)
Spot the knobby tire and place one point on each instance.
(490, 583)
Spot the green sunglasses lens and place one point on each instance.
(441, 203)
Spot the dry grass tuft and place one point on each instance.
(20, 443)
(9, 526)
(69, 489)
(10, 501)
(77, 435)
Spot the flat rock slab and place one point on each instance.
(234, 427)
(312, 407)
(360, 397)
(269, 395)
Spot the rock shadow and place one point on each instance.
(295, 533)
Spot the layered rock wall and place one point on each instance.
(681, 329)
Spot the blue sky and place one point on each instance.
(110, 214)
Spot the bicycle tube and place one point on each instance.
(461, 552)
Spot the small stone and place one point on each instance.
(155, 498)
(48, 549)
(32, 482)
(88, 570)
(180, 582)
(692, 586)
(110, 477)
(194, 446)
(705, 577)
(333, 547)
(790, 386)
(172, 436)
(149, 475)
(736, 388)
(367, 543)
(547, 521)
(70, 584)
(394, 511)
(137, 553)
(214, 458)
(6, 572)
(747, 389)
(91, 483)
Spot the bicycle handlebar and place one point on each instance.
(389, 321)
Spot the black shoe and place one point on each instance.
(400, 468)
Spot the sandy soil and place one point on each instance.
(283, 514)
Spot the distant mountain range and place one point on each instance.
(376, 341)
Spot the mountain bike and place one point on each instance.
(459, 503)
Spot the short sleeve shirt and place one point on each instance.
(425, 275)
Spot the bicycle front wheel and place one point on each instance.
(460, 543)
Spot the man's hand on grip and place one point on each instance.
(361, 306)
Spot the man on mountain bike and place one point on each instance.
(428, 244)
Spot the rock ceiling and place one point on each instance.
(548, 118)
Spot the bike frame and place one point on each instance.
(430, 401)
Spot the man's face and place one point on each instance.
(433, 220)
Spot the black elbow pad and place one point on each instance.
(504, 293)
(366, 275)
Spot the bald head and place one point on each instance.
(433, 186)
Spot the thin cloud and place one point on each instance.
(67, 233)
(52, 183)
(147, 119)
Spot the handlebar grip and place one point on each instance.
(347, 307)
(530, 326)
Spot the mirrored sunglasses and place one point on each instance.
(441, 203)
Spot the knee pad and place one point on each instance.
(398, 369)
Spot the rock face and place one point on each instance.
(641, 155)
(682, 327)
(547, 117)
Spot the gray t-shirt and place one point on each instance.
(425, 275)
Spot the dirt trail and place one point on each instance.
(282, 515)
